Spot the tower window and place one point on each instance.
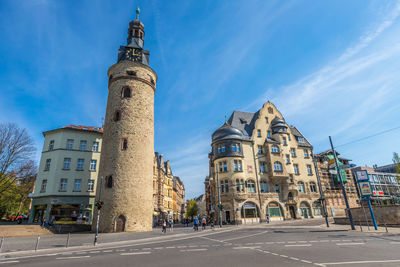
(124, 144)
(109, 182)
(131, 72)
(117, 115)
(126, 92)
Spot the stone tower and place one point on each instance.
(126, 163)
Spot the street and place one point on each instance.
(257, 245)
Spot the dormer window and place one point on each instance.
(126, 92)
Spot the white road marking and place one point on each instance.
(194, 249)
(313, 241)
(135, 253)
(280, 242)
(291, 242)
(170, 247)
(246, 247)
(306, 261)
(146, 248)
(4, 262)
(356, 262)
(181, 246)
(284, 256)
(349, 244)
(107, 250)
(72, 257)
(299, 245)
(240, 237)
(92, 252)
(80, 253)
(120, 250)
(302, 241)
(195, 246)
(159, 248)
(204, 246)
(53, 254)
(293, 258)
(274, 254)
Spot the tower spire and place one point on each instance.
(137, 13)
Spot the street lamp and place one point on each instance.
(219, 199)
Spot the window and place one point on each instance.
(219, 149)
(266, 119)
(238, 147)
(277, 166)
(77, 185)
(117, 115)
(291, 179)
(47, 166)
(238, 165)
(51, 145)
(296, 168)
(300, 186)
(70, 144)
(124, 144)
(274, 149)
(226, 186)
(284, 141)
(293, 152)
(95, 147)
(287, 159)
(309, 170)
(223, 149)
(260, 150)
(313, 187)
(241, 186)
(300, 139)
(225, 166)
(270, 110)
(63, 185)
(222, 187)
(277, 188)
(237, 186)
(234, 148)
(251, 186)
(82, 145)
(79, 167)
(43, 187)
(126, 92)
(67, 164)
(262, 166)
(93, 164)
(306, 153)
(263, 187)
(90, 185)
(109, 181)
(269, 134)
(131, 72)
(258, 133)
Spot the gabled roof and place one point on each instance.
(243, 121)
(297, 133)
(78, 128)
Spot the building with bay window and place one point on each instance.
(261, 165)
(67, 177)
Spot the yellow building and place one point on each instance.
(263, 166)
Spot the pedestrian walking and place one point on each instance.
(164, 226)
(196, 224)
(267, 215)
(203, 223)
(171, 225)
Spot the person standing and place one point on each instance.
(171, 225)
(196, 223)
(164, 226)
(203, 223)
(267, 215)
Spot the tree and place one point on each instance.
(396, 161)
(192, 208)
(16, 150)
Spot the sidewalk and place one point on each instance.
(15, 230)
(381, 230)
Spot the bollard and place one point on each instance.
(385, 226)
(1, 244)
(66, 245)
(360, 226)
(37, 243)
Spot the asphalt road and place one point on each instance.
(259, 245)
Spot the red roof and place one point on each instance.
(84, 128)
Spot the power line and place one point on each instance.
(366, 137)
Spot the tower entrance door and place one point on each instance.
(120, 223)
(292, 212)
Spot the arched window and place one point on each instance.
(117, 115)
(313, 187)
(274, 149)
(227, 186)
(124, 144)
(237, 186)
(251, 186)
(290, 196)
(277, 166)
(126, 92)
(300, 186)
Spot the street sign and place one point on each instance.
(365, 188)
(362, 175)
(333, 171)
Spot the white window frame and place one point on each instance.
(91, 185)
(83, 145)
(67, 164)
(95, 147)
(77, 185)
(93, 165)
(70, 144)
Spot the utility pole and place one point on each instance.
(98, 213)
(321, 192)
(219, 200)
(342, 185)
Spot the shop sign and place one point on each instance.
(249, 168)
(362, 175)
(379, 193)
(249, 205)
(54, 201)
(365, 188)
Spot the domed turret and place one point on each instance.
(278, 125)
(226, 131)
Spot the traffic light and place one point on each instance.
(99, 204)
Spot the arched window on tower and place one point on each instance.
(126, 92)
(124, 144)
(109, 181)
(117, 115)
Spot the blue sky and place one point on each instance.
(331, 68)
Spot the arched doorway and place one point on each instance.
(292, 212)
(275, 211)
(305, 210)
(317, 209)
(120, 223)
(250, 213)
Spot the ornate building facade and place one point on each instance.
(128, 147)
(261, 165)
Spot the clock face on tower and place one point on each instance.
(133, 54)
